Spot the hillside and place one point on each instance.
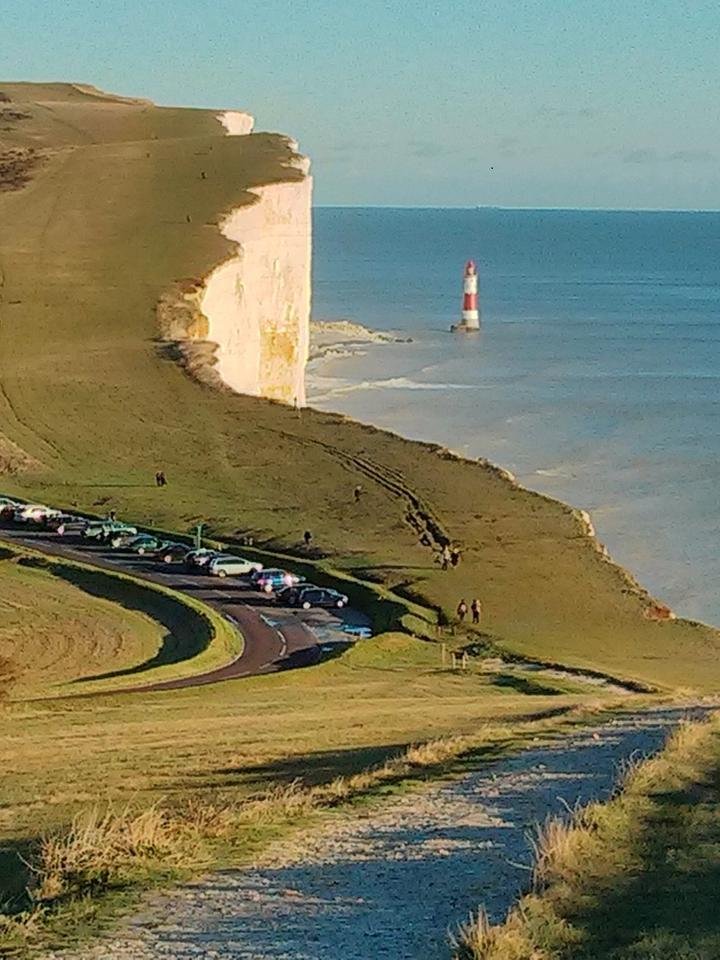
(108, 210)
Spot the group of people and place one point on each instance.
(450, 556)
(475, 609)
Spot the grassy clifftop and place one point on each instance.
(115, 211)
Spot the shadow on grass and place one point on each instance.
(14, 875)
(525, 685)
(668, 905)
(188, 632)
(322, 766)
(310, 769)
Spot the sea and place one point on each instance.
(595, 377)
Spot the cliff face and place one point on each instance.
(236, 123)
(257, 304)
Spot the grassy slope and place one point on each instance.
(68, 628)
(52, 632)
(87, 248)
(636, 879)
(242, 735)
(220, 744)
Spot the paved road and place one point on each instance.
(276, 638)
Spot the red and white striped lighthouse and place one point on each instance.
(470, 312)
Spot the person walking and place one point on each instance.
(358, 493)
(455, 556)
(445, 557)
(476, 610)
(462, 609)
(307, 537)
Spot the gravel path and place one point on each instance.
(390, 883)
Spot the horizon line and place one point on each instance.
(493, 206)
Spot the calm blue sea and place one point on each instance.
(595, 377)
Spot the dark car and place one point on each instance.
(66, 525)
(272, 579)
(199, 559)
(285, 596)
(7, 508)
(172, 553)
(309, 596)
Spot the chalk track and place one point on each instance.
(393, 881)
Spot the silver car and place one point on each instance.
(227, 566)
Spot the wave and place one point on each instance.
(404, 383)
(326, 387)
(327, 336)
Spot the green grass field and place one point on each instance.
(52, 631)
(114, 213)
(90, 408)
(68, 629)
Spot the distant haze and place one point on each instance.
(518, 102)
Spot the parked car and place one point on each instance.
(272, 579)
(146, 543)
(8, 506)
(172, 552)
(197, 559)
(65, 524)
(228, 566)
(105, 529)
(311, 596)
(285, 596)
(130, 540)
(34, 513)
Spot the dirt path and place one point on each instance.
(390, 882)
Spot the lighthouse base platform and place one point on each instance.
(466, 327)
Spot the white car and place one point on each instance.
(34, 512)
(232, 567)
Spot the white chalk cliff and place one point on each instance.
(257, 303)
(236, 123)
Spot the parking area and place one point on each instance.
(278, 635)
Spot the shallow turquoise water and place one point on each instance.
(595, 376)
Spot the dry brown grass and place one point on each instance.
(20, 930)
(561, 847)
(479, 939)
(580, 855)
(108, 848)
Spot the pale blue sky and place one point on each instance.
(514, 102)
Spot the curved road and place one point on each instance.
(276, 638)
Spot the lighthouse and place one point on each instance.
(470, 312)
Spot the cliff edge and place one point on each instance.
(119, 215)
(246, 325)
(257, 303)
